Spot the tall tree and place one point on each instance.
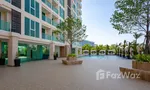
(129, 49)
(87, 47)
(101, 47)
(97, 49)
(119, 49)
(132, 16)
(134, 47)
(124, 47)
(137, 36)
(107, 48)
(72, 31)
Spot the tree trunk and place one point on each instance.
(146, 51)
(147, 34)
(71, 48)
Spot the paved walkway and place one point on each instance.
(52, 75)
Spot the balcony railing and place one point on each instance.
(77, 44)
(44, 18)
(4, 25)
(47, 3)
(46, 36)
(54, 23)
(54, 38)
(56, 0)
(8, 1)
(55, 9)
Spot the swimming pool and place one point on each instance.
(102, 57)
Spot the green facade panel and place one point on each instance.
(27, 26)
(37, 29)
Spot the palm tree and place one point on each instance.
(101, 47)
(124, 46)
(97, 49)
(119, 49)
(134, 43)
(107, 48)
(137, 36)
(134, 46)
(116, 49)
(129, 47)
(87, 47)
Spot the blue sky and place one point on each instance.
(96, 16)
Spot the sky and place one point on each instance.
(96, 16)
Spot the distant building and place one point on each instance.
(87, 42)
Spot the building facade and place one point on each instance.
(26, 27)
(87, 42)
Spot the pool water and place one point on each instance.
(102, 57)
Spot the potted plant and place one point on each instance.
(55, 56)
(128, 56)
(71, 57)
(120, 53)
(17, 60)
(2, 59)
(142, 62)
(46, 54)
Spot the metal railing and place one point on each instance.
(4, 25)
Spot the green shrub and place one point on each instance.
(71, 55)
(142, 58)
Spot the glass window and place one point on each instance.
(27, 26)
(32, 24)
(32, 3)
(27, 6)
(32, 33)
(37, 9)
(32, 7)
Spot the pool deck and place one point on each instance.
(52, 75)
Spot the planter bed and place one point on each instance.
(143, 75)
(72, 62)
(141, 65)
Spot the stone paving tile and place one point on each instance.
(52, 75)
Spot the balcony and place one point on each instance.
(56, 1)
(8, 1)
(4, 25)
(54, 23)
(54, 38)
(47, 3)
(55, 9)
(46, 19)
(77, 44)
(46, 36)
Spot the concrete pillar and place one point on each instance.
(0, 47)
(80, 51)
(52, 50)
(12, 50)
(40, 17)
(76, 51)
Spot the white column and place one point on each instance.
(76, 51)
(40, 17)
(22, 19)
(52, 50)
(80, 51)
(12, 50)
